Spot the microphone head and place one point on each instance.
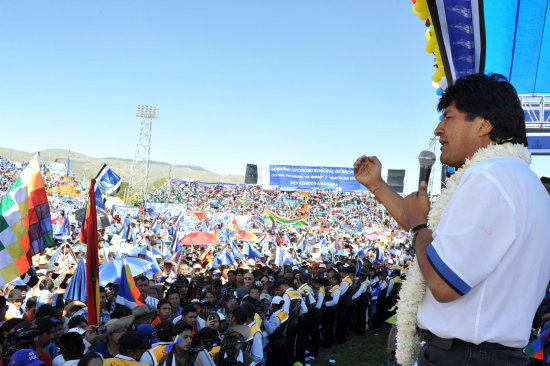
(426, 158)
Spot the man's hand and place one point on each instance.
(368, 171)
(417, 206)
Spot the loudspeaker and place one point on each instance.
(251, 175)
(396, 179)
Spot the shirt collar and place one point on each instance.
(124, 357)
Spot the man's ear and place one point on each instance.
(485, 127)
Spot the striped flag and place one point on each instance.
(89, 237)
(128, 293)
(25, 223)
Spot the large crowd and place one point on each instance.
(339, 275)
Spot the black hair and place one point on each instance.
(165, 331)
(46, 284)
(85, 360)
(162, 302)
(45, 311)
(250, 309)
(181, 327)
(240, 314)
(490, 97)
(188, 309)
(171, 291)
(45, 325)
(76, 320)
(141, 278)
(72, 346)
(31, 302)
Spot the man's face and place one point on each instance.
(17, 303)
(174, 300)
(186, 337)
(231, 276)
(164, 311)
(314, 271)
(459, 138)
(168, 268)
(44, 338)
(248, 279)
(239, 277)
(143, 287)
(190, 318)
(152, 293)
(254, 293)
(102, 300)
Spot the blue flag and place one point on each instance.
(109, 180)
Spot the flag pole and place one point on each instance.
(89, 236)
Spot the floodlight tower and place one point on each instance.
(140, 166)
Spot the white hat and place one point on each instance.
(216, 271)
(346, 265)
(277, 300)
(322, 265)
(76, 330)
(295, 268)
(251, 262)
(197, 266)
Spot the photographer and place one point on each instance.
(22, 337)
(275, 331)
(230, 353)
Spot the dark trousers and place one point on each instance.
(315, 319)
(291, 332)
(329, 316)
(361, 314)
(462, 353)
(301, 339)
(344, 315)
(277, 357)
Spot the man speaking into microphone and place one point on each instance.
(482, 246)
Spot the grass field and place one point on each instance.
(366, 350)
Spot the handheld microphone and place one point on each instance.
(426, 160)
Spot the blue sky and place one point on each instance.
(236, 82)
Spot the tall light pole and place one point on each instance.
(140, 166)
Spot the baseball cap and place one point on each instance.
(147, 331)
(77, 330)
(265, 297)
(277, 300)
(322, 265)
(315, 265)
(25, 357)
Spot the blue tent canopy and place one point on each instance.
(509, 37)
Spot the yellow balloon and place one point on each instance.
(421, 5)
(437, 76)
(428, 35)
(415, 9)
(430, 46)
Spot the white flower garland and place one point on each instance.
(413, 289)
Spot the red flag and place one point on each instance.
(89, 237)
